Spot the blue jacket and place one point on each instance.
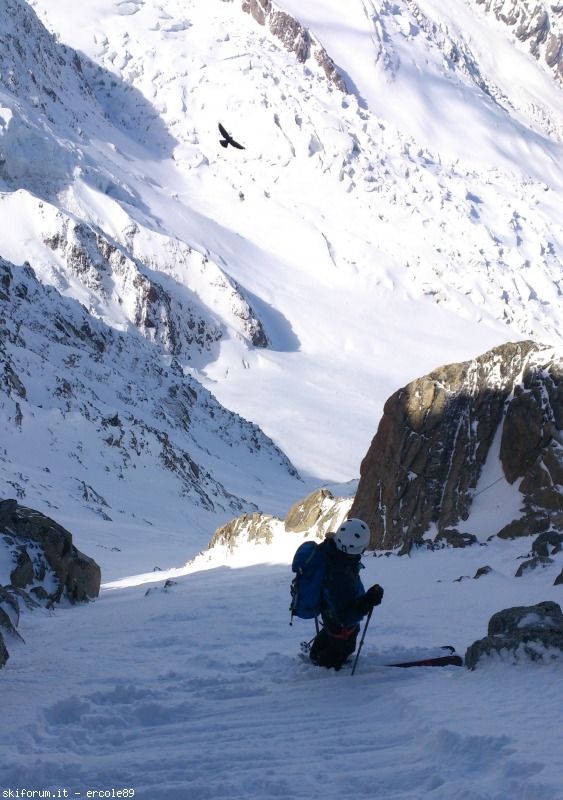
(342, 585)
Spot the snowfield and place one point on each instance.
(374, 236)
(196, 690)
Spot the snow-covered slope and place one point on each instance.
(97, 432)
(351, 227)
(193, 690)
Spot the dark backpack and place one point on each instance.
(309, 564)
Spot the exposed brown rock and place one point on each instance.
(318, 512)
(423, 465)
(249, 527)
(316, 515)
(455, 539)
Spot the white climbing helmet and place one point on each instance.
(352, 537)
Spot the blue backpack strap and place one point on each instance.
(342, 587)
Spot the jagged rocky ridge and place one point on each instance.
(538, 24)
(295, 38)
(70, 385)
(128, 274)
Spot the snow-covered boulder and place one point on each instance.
(523, 632)
(544, 547)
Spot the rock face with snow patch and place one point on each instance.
(538, 24)
(257, 528)
(317, 514)
(545, 546)
(423, 466)
(294, 37)
(524, 632)
(314, 516)
(145, 286)
(47, 565)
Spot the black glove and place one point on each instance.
(372, 598)
(375, 595)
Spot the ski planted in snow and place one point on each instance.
(439, 661)
(449, 660)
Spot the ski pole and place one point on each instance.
(362, 640)
(306, 646)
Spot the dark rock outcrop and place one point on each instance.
(7, 625)
(548, 544)
(486, 570)
(4, 655)
(544, 547)
(528, 525)
(423, 466)
(23, 573)
(46, 567)
(46, 557)
(454, 538)
(524, 632)
(532, 564)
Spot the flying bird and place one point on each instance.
(228, 139)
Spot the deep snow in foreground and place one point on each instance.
(197, 690)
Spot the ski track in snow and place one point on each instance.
(194, 692)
